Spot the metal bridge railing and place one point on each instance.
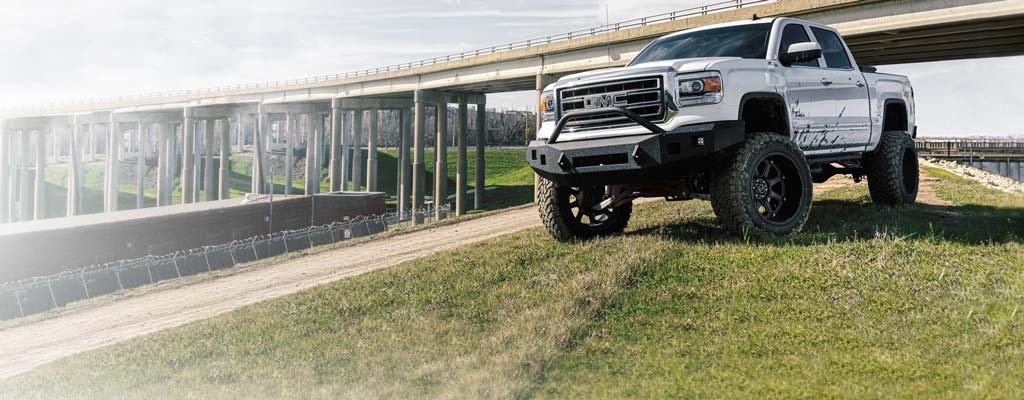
(653, 19)
(35, 295)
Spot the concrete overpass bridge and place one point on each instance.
(329, 111)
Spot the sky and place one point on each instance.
(55, 50)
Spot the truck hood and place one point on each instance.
(678, 66)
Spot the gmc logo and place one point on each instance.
(602, 101)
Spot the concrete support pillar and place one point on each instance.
(5, 175)
(419, 174)
(74, 185)
(90, 143)
(39, 198)
(306, 120)
(346, 156)
(335, 164)
(481, 143)
(209, 187)
(258, 169)
(357, 152)
(290, 133)
(140, 167)
(224, 178)
(461, 168)
(113, 164)
(371, 155)
(162, 162)
(239, 134)
(441, 160)
(188, 137)
(313, 178)
(24, 178)
(404, 161)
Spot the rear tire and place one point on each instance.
(893, 171)
(763, 186)
(568, 215)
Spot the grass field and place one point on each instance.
(924, 302)
(505, 169)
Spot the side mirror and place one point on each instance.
(800, 52)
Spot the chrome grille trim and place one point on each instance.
(644, 96)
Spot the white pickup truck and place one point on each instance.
(747, 115)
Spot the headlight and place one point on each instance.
(703, 88)
(547, 106)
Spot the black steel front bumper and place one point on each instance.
(660, 155)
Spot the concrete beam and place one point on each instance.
(364, 103)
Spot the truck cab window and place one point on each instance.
(792, 34)
(832, 49)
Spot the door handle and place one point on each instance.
(860, 84)
(826, 81)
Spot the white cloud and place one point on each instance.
(66, 49)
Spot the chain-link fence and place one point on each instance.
(31, 296)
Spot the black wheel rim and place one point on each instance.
(581, 202)
(776, 190)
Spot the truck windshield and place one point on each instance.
(744, 41)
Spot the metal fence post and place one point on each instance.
(175, 260)
(20, 309)
(85, 285)
(52, 297)
(149, 269)
(117, 273)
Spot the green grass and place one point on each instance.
(923, 302)
(505, 169)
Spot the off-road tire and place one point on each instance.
(738, 194)
(557, 215)
(892, 170)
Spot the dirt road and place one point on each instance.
(23, 347)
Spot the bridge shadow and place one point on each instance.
(857, 219)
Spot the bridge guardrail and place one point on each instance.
(967, 147)
(643, 21)
(36, 295)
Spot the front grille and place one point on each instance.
(644, 96)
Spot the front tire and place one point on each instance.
(568, 213)
(893, 171)
(763, 186)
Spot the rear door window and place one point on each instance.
(832, 49)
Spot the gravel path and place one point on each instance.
(25, 346)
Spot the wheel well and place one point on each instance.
(764, 112)
(895, 116)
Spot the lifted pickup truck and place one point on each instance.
(747, 115)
